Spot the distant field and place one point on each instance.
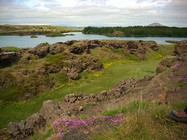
(33, 29)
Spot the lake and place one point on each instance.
(26, 41)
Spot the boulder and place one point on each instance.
(181, 49)
(166, 63)
(93, 44)
(41, 50)
(13, 129)
(57, 48)
(51, 110)
(101, 96)
(71, 42)
(78, 48)
(73, 74)
(8, 58)
(25, 128)
(153, 45)
(36, 121)
(72, 98)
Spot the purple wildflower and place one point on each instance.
(185, 79)
(55, 123)
(65, 123)
(177, 65)
(119, 115)
(116, 120)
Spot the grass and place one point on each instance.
(91, 84)
(43, 135)
(172, 41)
(118, 66)
(10, 49)
(144, 121)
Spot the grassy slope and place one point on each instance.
(144, 121)
(115, 71)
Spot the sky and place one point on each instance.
(94, 12)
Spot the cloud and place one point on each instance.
(94, 12)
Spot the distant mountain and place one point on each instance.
(155, 24)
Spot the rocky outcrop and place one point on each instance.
(78, 47)
(8, 58)
(57, 48)
(179, 54)
(117, 91)
(73, 103)
(180, 49)
(138, 48)
(41, 50)
(76, 65)
(166, 63)
(169, 86)
(25, 128)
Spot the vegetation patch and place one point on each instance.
(172, 41)
(118, 66)
(10, 49)
(34, 36)
(55, 34)
(144, 120)
(138, 31)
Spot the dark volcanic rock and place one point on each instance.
(69, 43)
(180, 49)
(78, 48)
(51, 110)
(76, 65)
(57, 48)
(23, 129)
(8, 58)
(41, 50)
(166, 63)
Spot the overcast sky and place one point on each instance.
(94, 12)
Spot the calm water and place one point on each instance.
(26, 41)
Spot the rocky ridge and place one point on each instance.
(35, 66)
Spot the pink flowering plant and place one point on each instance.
(61, 125)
